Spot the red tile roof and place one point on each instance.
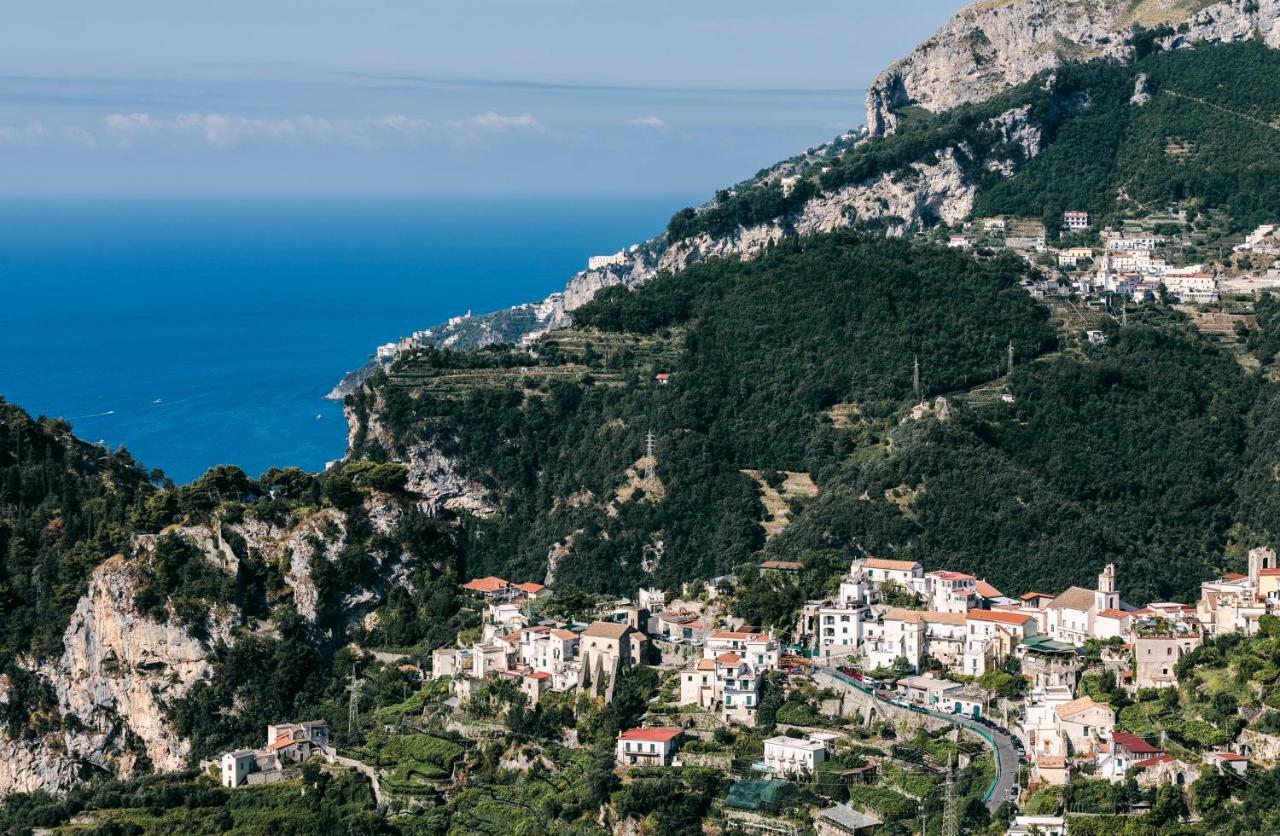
(489, 584)
(1136, 745)
(728, 659)
(1233, 576)
(1269, 571)
(651, 735)
(564, 634)
(1156, 761)
(1111, 612)
(530, 587)
(1031, 595)
(783, 565)
(1229, 756)
(948, 575)
(539, 675)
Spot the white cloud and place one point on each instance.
(32, 133)
(654, 123)
(225, 130)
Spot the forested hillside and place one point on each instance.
(756, 353)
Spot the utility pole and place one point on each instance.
(353, 707)
(1011, 358)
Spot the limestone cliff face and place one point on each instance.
(995, 44)
(120, 670)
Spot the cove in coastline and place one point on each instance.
(207, 331)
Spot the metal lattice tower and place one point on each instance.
(353, 706)
(649, 457)
(915, 380)
(951, 808)
(1011, 358)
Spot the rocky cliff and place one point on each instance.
(995, 44)
(121, 670)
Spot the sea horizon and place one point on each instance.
(198, 331)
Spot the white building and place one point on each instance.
(953, 592)
(991, 636)
(793, 756)
(237, 765)
(653, 600)
(912, 635)
(648, 747)
(600, 262)
(1192, 287)
(1075, 221)
(1070, 617)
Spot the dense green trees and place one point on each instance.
(65, 506)
(1205, 135)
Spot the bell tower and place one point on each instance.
(1106, 597)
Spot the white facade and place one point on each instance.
(236, 767)
(793, 756)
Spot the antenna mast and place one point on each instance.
(353, 707)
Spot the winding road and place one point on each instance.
(1000, 741)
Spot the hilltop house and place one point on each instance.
(648, 747)
(607, 648)
(1071, 616)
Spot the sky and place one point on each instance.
(285, 97)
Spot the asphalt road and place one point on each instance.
(1006, 754)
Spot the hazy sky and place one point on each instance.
(410, 96)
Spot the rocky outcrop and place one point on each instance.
(121, 670)
(995, 44)
(40, 764)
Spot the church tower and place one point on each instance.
(1106, 597)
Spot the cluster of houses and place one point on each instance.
(286, 743)
(1129, 263)
(542, 656)
(891, 614)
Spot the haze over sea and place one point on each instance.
(207, 331)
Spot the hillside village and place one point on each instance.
(1059, 690)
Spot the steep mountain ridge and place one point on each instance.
(982, 52)
(996, 44)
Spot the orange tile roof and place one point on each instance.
(890, 565)
(281, 741)
(1229, 756)
(539, 675)
(948, 575)
(489, 584)
(1077, 706)
(728, 659)
(730, 634)
(998, 616)
(1031, 595)
(1111, 612)
(917, 616)
(1269, 571)
(1051, 762)
(530, 587)
(651, 735)
(564, 634)
(986, 590)
(1233, 576)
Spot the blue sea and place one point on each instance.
(198, 332)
